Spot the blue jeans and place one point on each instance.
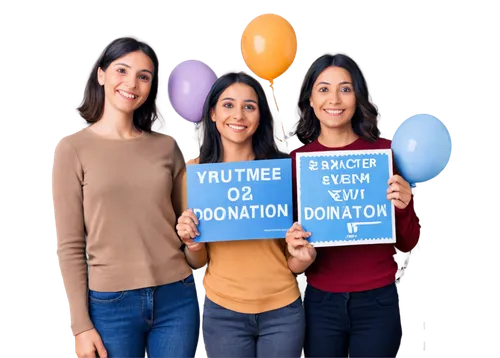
(358, 324)
(276, 333)
(164, 321)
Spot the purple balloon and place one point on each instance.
(188, 86)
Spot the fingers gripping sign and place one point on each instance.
(187, 229)
(399, 192)
(298, 246)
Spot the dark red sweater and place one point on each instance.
(360, 267)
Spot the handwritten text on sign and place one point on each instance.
(342, 197)
(241, 200)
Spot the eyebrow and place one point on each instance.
(124, 64)
(232, 99)
(340, 83)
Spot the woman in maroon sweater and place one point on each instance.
(351, 300)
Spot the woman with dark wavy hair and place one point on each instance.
(253, 306)
(351, 301)
(116, 198)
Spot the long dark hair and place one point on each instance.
(92, 106)
(263, 143)
(364, 120)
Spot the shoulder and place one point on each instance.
(384, 143)
(380, 143)
(163, 142)
(309, 147)
(162, 138)
(194, 161)
(73, 141)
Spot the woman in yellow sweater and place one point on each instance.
(253, 306)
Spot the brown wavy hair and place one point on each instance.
(364, 120)
(92, 106)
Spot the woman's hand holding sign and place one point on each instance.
(302, 252)
(399, 192)
(187, 230)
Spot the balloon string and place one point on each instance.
(276, 104)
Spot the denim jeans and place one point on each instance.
(163, 321)
(357, 324)
(276, 333)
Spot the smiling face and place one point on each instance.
(127, 82)
(333, 98)
(236, 114)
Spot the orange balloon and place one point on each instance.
(268, 46)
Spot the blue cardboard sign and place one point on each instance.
(342, 197)
(241, 200)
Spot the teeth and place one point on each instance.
(128, 95)
(238, 128)
(336, 111)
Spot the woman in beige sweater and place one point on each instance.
(116, 188)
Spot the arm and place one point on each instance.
(196, 253)
(67, 178)
(408, 222)
(407, 228)
(297, 266)
(196, 259)
(294, 264)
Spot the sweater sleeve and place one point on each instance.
(67, 179)
(407, 228)
(179, 200)
(179, 163)
(407, 223)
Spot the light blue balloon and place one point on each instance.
(421, 147)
